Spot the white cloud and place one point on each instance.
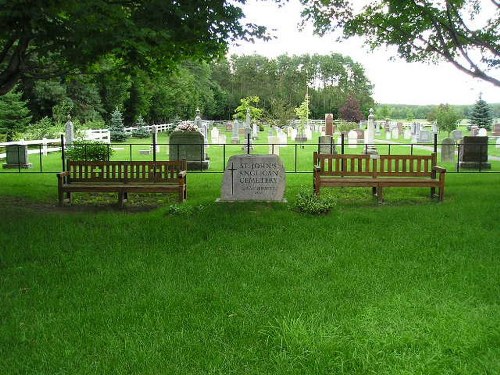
(394, 81)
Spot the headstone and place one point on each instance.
(400, 127)
(222, 139)
(474, 130)
(273, 142)
(352, 139)
(395, 133)
(229, 127)
(407, 133)
(70, 132)
(235, 139)
(370, 134)
(496, 130)
(255, 131)
(447, 150)
(17, 156)
(482, 132)
(456, 135)
(189, 145)
(326, 145)
(282, 138)
(329, 124)
(388, 135)
(424, 136)
(360, 135)
(293, 133)
(474, 153)
(308, 133)
(253, 178)
(214, 135)
(435, 128)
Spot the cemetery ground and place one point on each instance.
(410, 286)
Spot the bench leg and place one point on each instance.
(182, 194)
(121, 198)
(441, 193)
(380, 194)
(433, 192)
(61, 197)
(374, 190)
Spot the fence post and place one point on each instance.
(63, 154)
(435, 143)
(154, 146)
(342, 143)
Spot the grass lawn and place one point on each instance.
(408, 287)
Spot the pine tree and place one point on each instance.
(141, 131)
(116, 129)
(481, 114)
(14, 114)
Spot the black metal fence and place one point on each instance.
(297, 157)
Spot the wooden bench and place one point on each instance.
(123, 177)
(378, 172)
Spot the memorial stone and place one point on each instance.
(424, 136)
(407, 134)
(214, 135)
(474, 153)
(474, 130)
(189, 145)
(16, 156)
(496, 130)
(352, 139)
(253, 178)
(69, 132)
(456, 135)
(326, 145)
(448, 150)
(329, 130)
(482, 132)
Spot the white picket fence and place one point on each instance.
(44, 146)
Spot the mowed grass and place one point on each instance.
(408, 287)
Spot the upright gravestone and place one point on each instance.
(235, 139)
(474, 130)
(474, 153)
(326, 145)
(253, 178)
(395, 133)
(329, 124)
(189, 145)
(17, 156)
(407, 133)
(447, 150)
(496, 130)
(69, 132)
(214, 135)
(352, 139)
(424, 136)
(456, 135)
(360, 135)
(482, 132)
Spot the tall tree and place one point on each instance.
(351, 110)
(465, 33)
(14, 114)
(446, 118)
(481, 114)
(40, 40)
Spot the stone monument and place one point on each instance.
(17, 156)
(370, 134)
(447, 150)
(186, 142)
(253, 178)
(70, 132)
(474, 153)
(329, 127)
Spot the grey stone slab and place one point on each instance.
(254, 178)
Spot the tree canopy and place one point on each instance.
(463, 32)
(43, 39)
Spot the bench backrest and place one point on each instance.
(345, 164)
(406, 165)
(376, 165)
(125, 171)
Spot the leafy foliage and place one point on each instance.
(248, 104)
(446, 118)
(462, 32)
(89, 150)
(351, 110)
(309, 203)
(148, 35)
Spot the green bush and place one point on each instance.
(345, 126)
(89, 150)
(309, 203)
(44, 128)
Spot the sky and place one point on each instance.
(395, 82)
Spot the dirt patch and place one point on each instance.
(88, 202)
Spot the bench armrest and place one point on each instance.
(181, 174)
(61, 175)
(439, 169)
(317, 168)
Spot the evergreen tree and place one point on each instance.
(117, 131)
(14, 114)
(481, 114)
(141, 131)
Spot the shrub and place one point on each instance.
(44, 128)
(141, 131)
(89, 150)
(309, 203)
(345, 126)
